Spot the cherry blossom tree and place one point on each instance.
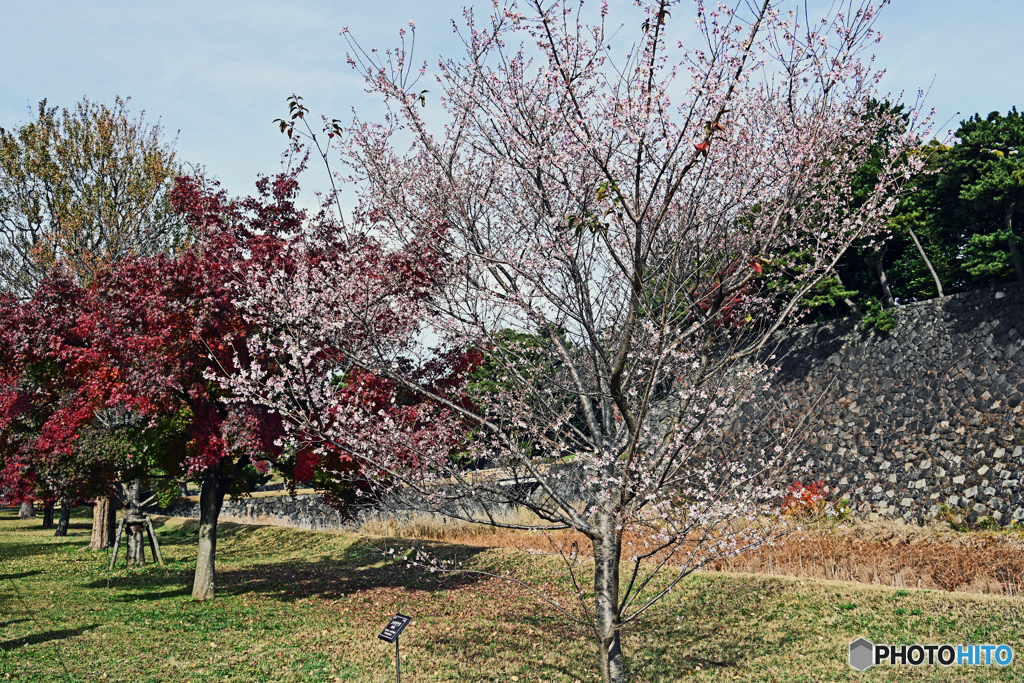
(619, 233)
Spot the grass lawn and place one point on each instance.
(306, 606)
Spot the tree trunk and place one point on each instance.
(65, 518)
(887, 300)
(104, 518)
(135, 543)
(26, 511)
(927, 262)
(854, 309)
(607, 552)
(1011, 243)
(48, 516)
(210, 499)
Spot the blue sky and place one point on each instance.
(219, 71)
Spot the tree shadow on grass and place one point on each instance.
(152, 595)
(134, 588)
(21, 575)
(32, 548)
(659, 662)
(149, 582)
(477, 643)
(187, 532)
(46, 636)
(360, 566)
(715, 618)
(5, 624)
(129, 584)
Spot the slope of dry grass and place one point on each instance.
(877, 553)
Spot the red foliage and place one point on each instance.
(52, 381)
(800, 499)
(153, 334)
(169, 325)
(145, 335)
(726, 306)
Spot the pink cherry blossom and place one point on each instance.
(620, 240)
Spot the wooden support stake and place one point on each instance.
(153, 542)
(117, 543)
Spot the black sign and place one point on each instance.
(394, 628)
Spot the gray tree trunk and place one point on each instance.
(1011, 244)
(854, 308)
(135, 544)
(48, 516)
(607, 554)
(104, 518)
(26, 511)
(211, 497)
(927, 262)
(887, 300)
(65, 518)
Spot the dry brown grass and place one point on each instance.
(879, 553)
(897, 555)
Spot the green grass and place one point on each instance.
(303, 606)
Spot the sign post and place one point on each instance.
(390, 634)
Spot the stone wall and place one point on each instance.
(307, 510)
(926, 415)
(303, 511)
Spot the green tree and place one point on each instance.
(986, 170)
(925, 247)
(908, 262)
(83, 188)
(957, 229)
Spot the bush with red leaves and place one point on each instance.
(803, 500)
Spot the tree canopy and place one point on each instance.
(957, 229)
(83, 188)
